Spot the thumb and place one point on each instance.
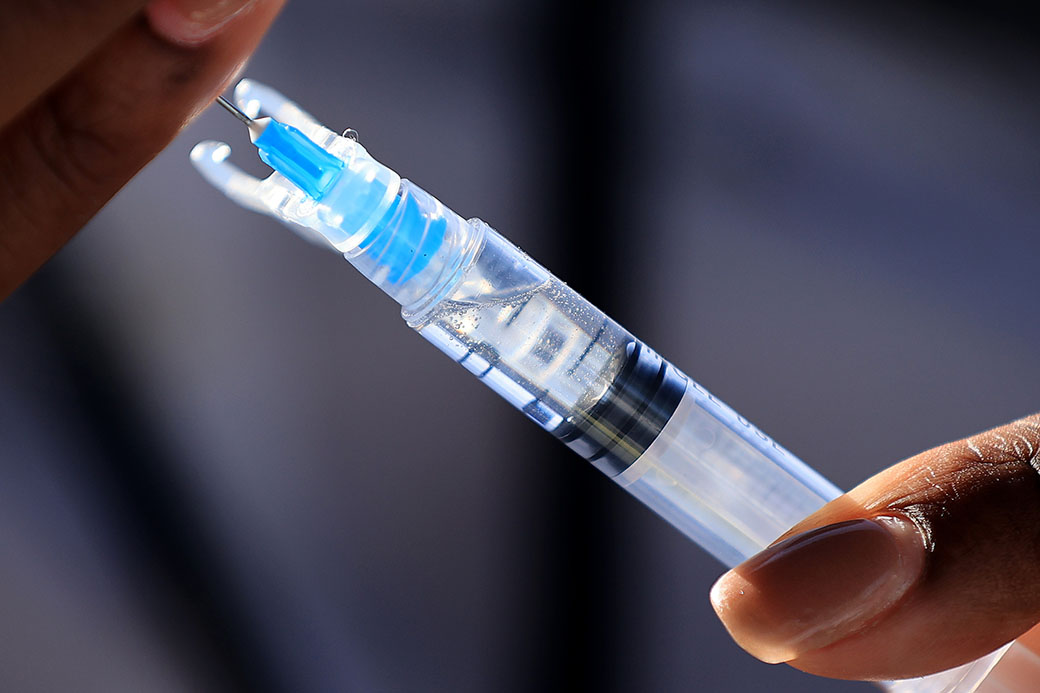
(930, 564)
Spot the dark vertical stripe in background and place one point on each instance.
(576, 635)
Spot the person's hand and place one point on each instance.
(92, 90)
(930, 564)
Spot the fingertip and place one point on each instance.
(191, 23)
(818, 587)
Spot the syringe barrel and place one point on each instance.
(604, 393)
(721, 481)
(669, 442)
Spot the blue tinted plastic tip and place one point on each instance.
(292, 154)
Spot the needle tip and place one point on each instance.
(235, 111)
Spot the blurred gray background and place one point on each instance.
(226, 463)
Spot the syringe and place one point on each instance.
(533, 340)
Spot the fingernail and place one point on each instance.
(192, 22)
(818, 587)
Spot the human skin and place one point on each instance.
(93, 90)
(932, 563)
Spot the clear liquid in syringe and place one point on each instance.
(545, 350)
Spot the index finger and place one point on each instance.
(68, 154)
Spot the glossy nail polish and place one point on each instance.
(818, 587)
